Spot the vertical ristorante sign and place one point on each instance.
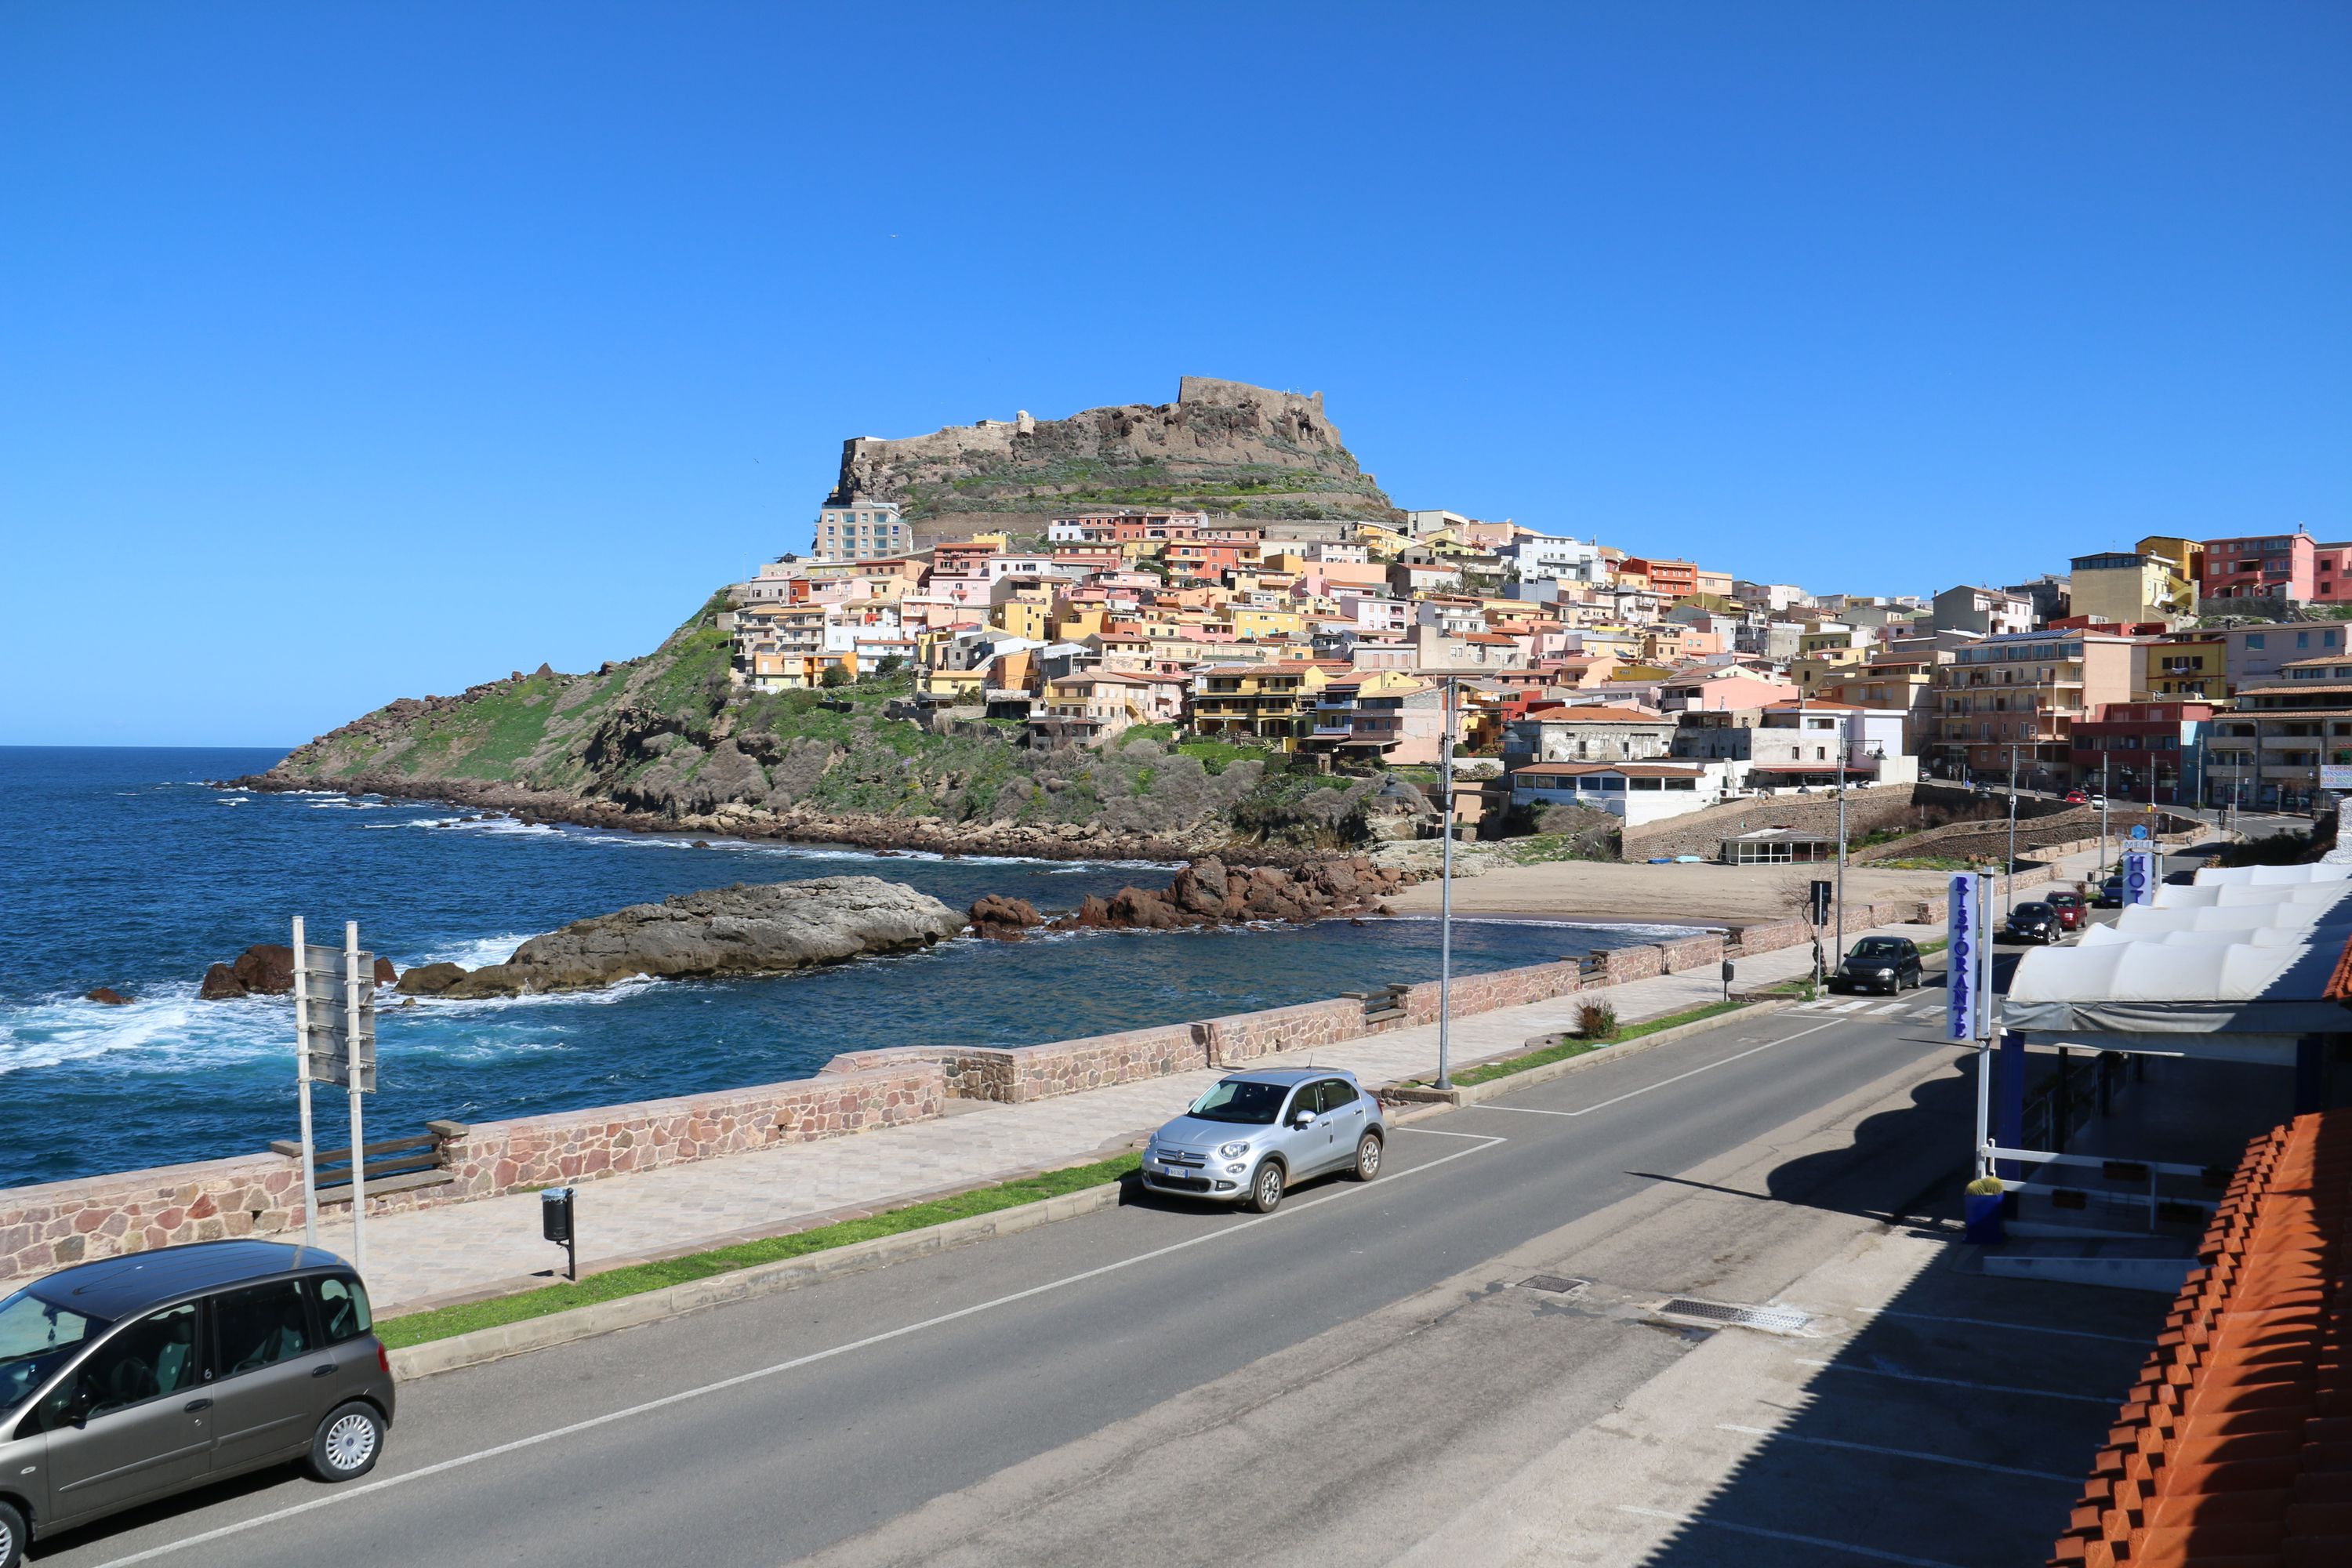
(1971, 956)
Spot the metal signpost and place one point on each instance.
(1967, 987)
(1446, 905)
(334, 1024)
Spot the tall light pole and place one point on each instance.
(2103, 814)
(1846, 739)
(1445, 901)
(2009, 877)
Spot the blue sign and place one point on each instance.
(1964, 912)
(2139, 830)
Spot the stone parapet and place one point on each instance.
(58, 1223)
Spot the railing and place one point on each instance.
(394, 1165)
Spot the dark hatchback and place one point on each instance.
(2033, 923)
(132, 1378)
(1888, 963)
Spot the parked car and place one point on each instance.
(1888, 963)
(2071, 910)
(1255, 1135)
(2034, 922)
(2110, 895)
(2077, 798)
(127, 1378)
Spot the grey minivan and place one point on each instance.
(127, 1378)
(1256, 1135)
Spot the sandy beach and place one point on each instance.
(1694, 895)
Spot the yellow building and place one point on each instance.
(1023, 612)
(1270, 704)
(1256, 622)
(2130, 586)
(2192, 665)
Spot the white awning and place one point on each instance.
(2270, 875)
(2238, 895)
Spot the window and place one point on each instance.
(153, 1357)
(2255, 640)
(37, 1337)
(260, 1326)
(2302, 639)
(1337, 1093)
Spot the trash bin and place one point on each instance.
(1982, 1209)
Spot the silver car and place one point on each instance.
(130, 1378)
(1256, 1135)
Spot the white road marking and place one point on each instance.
(1902, 1453)
(1441, 1133)
(666, 1400)
(1870, 1551)
(2011, 1328)
(2107, 1399)
(1662, 1083)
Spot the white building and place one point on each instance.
(1638, 791)
(1557, 558)
(862, 531)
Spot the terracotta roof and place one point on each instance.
(1599, 713)
(2235, 1444)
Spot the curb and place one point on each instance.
(485, 1346)
(1472, 1094)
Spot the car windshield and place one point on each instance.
(2031, 911)
(2060, 900)
(35, 1337)
(1877, 947)
(1240, 1099)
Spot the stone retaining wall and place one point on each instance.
(43, 1227)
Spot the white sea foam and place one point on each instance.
(602, 996)
(167, 1027)
(229, 799)
(479, 951)
(469, 824)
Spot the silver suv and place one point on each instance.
(1254, 1134)
(132, 1378)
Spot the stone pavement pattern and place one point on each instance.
(493, 1245)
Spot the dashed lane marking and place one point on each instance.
(1785, 1436)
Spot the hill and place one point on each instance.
(1223, 446)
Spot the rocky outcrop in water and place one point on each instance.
(107, 997)
(747, 929)
(266, 969)
(1208, 892)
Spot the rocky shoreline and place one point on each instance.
(798, 825)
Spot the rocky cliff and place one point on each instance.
(1228, 448)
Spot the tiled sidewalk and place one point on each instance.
(487, 1247)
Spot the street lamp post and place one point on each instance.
(1446, 903)
(2009, 878)
(1845, 738)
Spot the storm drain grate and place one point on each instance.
(1553, 1283)
(1774, 1320)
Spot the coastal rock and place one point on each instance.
(266, 969)
(107, 995)
(1207, 892)
(747, 929)
(431, 979)
(1003, 919)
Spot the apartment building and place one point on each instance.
(862, 530)
(1587, 733)
(2256, 654)
(2127, 587)
(1125, 527)
(1271, 704)
(2021, 693)
(2142, 750)
(1389, 715)
(2186, 665)
(2269, 753)
(1988, 612)
(1669, 579)
(2266, 566)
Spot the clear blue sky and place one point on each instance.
(358, 350)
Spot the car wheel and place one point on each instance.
(348, 1442)
(12, 1536)
(1266, 1189)
(1367, 1156)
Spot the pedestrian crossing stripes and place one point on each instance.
(1863, 1007)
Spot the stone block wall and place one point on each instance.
(1689, 952)
(58, 1223)
(1773, 935)
(1703, 832)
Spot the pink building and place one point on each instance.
(2267, 565)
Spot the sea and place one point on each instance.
(130, 868)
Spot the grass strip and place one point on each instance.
(636, 1278)
(1567, 1049)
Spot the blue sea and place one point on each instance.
(125, 869)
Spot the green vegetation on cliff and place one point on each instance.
(666, 735)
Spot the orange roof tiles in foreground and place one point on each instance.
(2234, 1448)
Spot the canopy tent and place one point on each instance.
(2270, 875)
(2239, 895)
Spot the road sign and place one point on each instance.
(2336, 776)
(2139, 830)
(1819, 902)
(325, 1020)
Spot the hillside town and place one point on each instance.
(2182, 672)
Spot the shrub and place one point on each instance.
(834, 676)
(1596, 1020)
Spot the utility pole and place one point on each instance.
(2103, 814)
(1446, 903)
(2009, 877)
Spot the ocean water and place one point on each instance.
(123, 867)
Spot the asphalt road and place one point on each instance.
(769, 1430)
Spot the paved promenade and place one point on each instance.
(491, 1246)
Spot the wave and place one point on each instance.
(1636, 927)
(231, 799)
(479, 951)
(468, 824)
(602, 996)
(169, 1027)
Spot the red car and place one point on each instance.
(2069, 906)
(2077, 798)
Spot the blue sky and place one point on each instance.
(354, 351)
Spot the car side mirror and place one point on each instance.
(1302, 1118)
